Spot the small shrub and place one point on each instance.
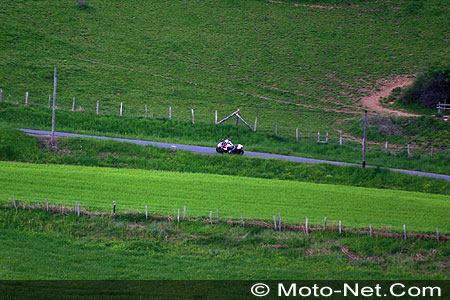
(396, 91)
(83, 5)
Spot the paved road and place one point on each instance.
(208, 150)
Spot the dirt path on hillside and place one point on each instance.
(372, 102)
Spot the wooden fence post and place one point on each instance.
(296, 134)
(178, 216)
(210, 217)
(279, 222)
(146, 112)
(324, 223)
(121, 108)
(146, 212)
(276, 129)
(46, 203)
(184, 212)
(97, 111)
(437, 234)
(318, 136)
(26, 98)
(370, 229)
(256, 122)
(73, 104)
(340, 139)
(78, 209)
(170, 112)
(404, 231)
(215, 117)
(274, 223)
(386, 147)
(242, 220)
(55, 81)
(306, 226)
(340, 226)
(364, 145)
(193, 116)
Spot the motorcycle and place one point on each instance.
(235, 149)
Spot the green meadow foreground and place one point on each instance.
(45, 245)
(164, 192)
(49, 245)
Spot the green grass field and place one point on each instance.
(41, 245)
(300, 66)
(165, 192)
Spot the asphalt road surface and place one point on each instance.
(208, 150)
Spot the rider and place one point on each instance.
(228, 145)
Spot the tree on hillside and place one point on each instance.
(429, 88)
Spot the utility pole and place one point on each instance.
(364, 139)
(54, 107)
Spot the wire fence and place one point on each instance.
(215, 217)
(201, 115)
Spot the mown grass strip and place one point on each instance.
(164, 192)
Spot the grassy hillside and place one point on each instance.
(164, 192)
(293, 63)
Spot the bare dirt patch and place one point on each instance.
(46, 141)
(384, 89)
(349, 254)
